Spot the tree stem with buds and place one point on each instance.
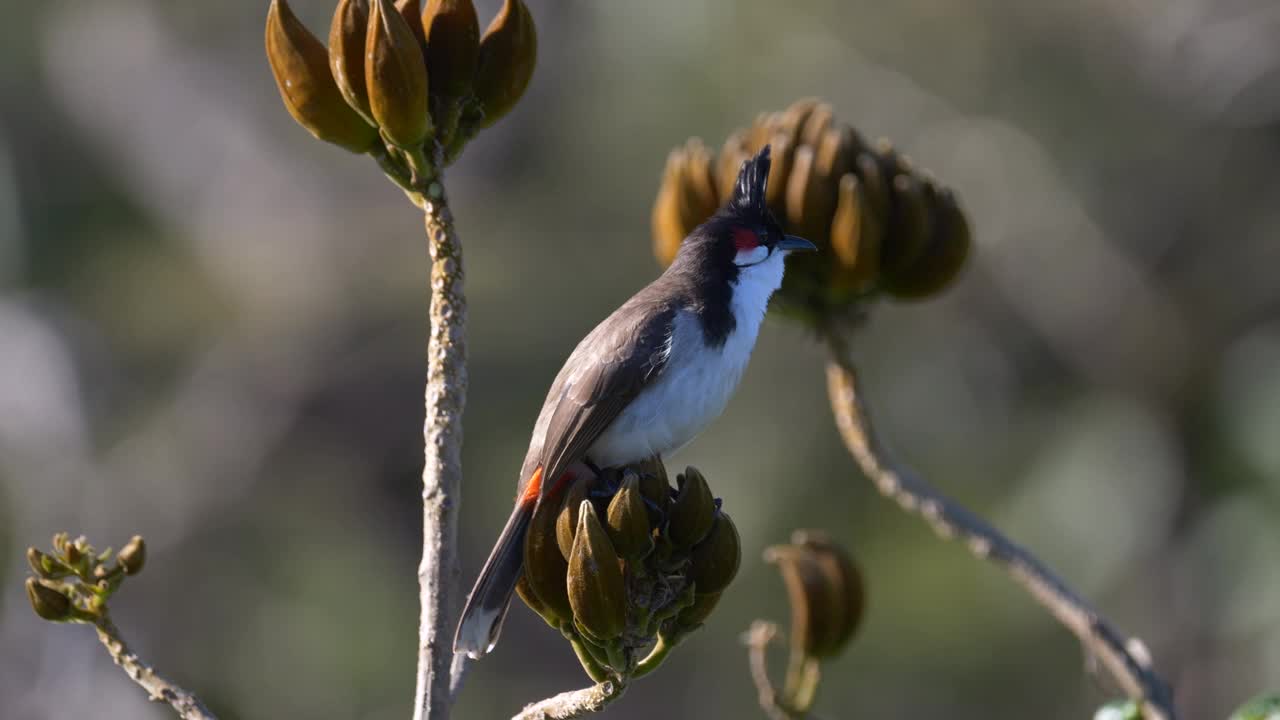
(183, 702)
(446, 391)
(1125, 659)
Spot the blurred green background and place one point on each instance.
(212, 332)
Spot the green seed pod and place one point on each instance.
(567, 518)
(453, 47)
(300, 65)
(45, 566)
(346, 53)
(693, 512)
(47, 602)
(628, 521)
(507, 55)
(530, 598)
(597, 593)
(715, 560)
(942, 259)
(692, 617)
(133, 555)
(395, 77)
(653, 482)
(544, 566)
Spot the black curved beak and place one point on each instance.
(791, 242)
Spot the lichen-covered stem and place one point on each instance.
(1125, 659)
(574, 703)
(183, 702)
(446, 392)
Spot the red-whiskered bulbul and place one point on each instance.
(647, 379)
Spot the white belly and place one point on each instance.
(697, 381)
(692, 391)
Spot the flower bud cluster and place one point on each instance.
(881, 225)
(73, 583)
(621, 561)
(401, 78)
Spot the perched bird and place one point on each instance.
(647, 379)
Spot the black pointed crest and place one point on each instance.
(748, 193)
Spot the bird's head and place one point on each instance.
(743, 237)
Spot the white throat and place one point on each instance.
(698, 380)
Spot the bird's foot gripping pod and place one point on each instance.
(625, 566)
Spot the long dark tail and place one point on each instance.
(487, 605)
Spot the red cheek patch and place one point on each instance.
(745, 239)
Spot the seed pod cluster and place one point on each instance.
(73, 583)
(622, 560)
(400, 77)
(881, 225)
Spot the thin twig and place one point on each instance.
(1125, 659)
(757, 640)
(574, 703)
(186, 704)
(446, 391)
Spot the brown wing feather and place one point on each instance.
(603, 375)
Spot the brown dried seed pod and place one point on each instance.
(817, 124)
(783, 152)
(668, 230)
(597, 592)
(943, 258)
(346, 53)
(507, 54)
(732, 155)
(835, 153)
(814, 609)
(910, 227)
(395, 77)
(700, 179)
(411, 11)
(300, 65)
(845, 582)
(855, 239)
(791, 122)
(810, 199)
(874, 184)
(762, 131)
(453, 47)
(544, 566)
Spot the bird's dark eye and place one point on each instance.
(745, 239)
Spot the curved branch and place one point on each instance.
(183, 702)
(574, 703)
(1126, 659)
(446, 392)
